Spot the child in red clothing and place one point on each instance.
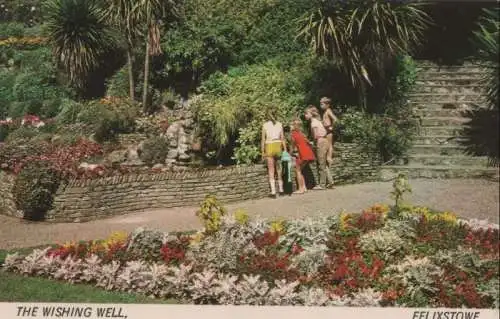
(304, 154)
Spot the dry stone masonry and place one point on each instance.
(83, 200)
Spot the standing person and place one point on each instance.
(319, 133)
(304, 154)
(329, 120)
(272, 145)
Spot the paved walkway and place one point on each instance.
(467, 198)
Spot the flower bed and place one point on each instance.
(417, 258)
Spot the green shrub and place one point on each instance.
(155, 150)
(234, 105)
(118, 84)
(34, 189)
(69, 112)
(377, 134)
(109, 119)
(11, 29)
(23, 133)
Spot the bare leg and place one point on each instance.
(280, 175)
(302, 166)
(329, 158)
(300, 179)
(270, 173)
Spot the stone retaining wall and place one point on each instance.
(82, 200)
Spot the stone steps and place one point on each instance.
(458, 81)
(446, 98)
(441, 130)
(443, 160)
(448, 89)
(449, 150)
(437, 113)
(443, 121)
(447, 104)
(443, 76)
(445, 171)
(437, 140)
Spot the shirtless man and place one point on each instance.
(329, 120)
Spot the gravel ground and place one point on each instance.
(467, 198)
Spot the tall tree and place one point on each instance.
(78, 35)
(153, 14)
(360, 35)
(120, 14)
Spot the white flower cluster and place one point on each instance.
(416, 274)
(222, 249)
(182, 283)
(310, 231)
(385, 243)
(477, 224)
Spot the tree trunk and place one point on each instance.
(131, 79)
(146, 80)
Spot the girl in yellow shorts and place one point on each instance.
(272, 145)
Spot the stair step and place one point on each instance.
(438, 140)
(430, 113)
(440, 160)
(445, 75)
(442, 98)
(443, 121)
(449, 89)
(423, 171)
(465, 81)
(446, 105)
(441, 130)
(449, 150)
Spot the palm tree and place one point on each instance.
(120, 14)
(362, 34)
(486, 38)
(79, 36)
(153, 14)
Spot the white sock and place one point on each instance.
(272, 183)
(280, 186)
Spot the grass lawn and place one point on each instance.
(15, 288)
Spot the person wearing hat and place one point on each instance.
(329, 120)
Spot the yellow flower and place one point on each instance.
(196, 238)
(277, 226)
(344, 220)
(241, 217)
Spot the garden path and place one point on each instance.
(468, 198)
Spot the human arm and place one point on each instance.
(263, 142)
(332, 116)
(283, 140)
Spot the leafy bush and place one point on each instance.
(155, 150)
(11, 29)
(109, 117)
(233, 106)
(25, 11)
(486, 40)
(69, 112)
(34, 189)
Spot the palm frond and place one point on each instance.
(78, 36)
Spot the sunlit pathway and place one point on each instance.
(468, 198)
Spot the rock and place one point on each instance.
(172, 154)
(158, 166)
(184, 157)
(117, 157)
(132, 154)
(88, 166)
